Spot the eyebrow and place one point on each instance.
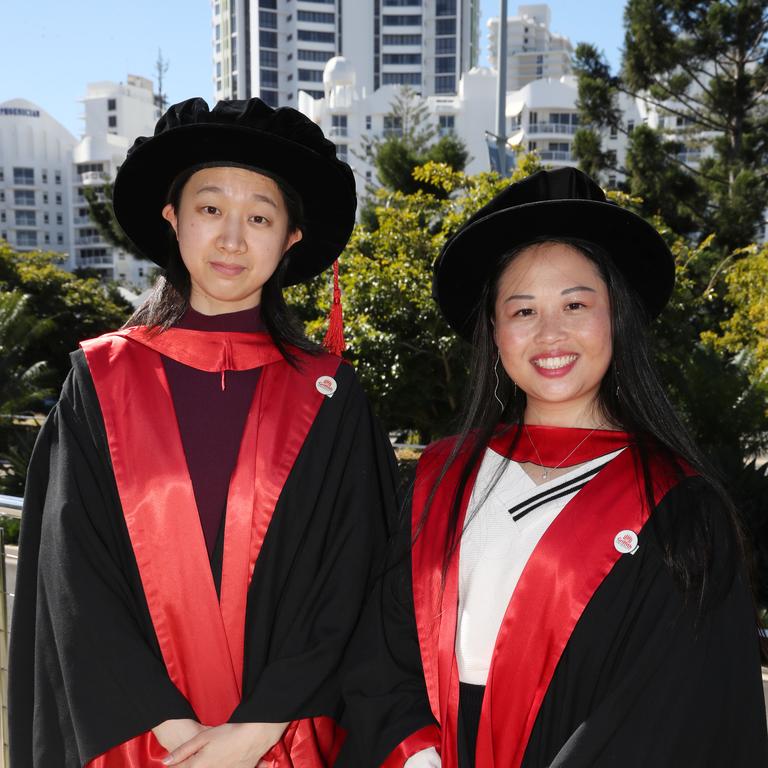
(530, 297)
(255, 195)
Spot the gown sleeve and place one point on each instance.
(387, 710)
(85, 671)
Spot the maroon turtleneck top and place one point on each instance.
(211, 418)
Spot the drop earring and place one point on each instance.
(496, 388)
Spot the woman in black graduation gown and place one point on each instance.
(206, 499)
(574, 595)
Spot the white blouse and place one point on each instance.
(495, 546)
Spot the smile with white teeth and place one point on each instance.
(553, 363)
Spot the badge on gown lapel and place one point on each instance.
(626, 542)
(326, 385)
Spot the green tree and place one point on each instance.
(704, 65)
(102, 214)
(74, 308)
(408, 142)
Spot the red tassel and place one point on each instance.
(334, 338)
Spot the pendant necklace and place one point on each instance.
(547, 470)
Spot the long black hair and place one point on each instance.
(631, 397)
(169, 299)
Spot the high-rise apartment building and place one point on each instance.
(35, 178)
(533, 50)
(275, 48)
(115, 114)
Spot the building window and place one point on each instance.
(2, 217)
(445, 84)
(402, 3)
(23, 197)
(393, 126)
(59, 219)
(402, 58)
(445, 8)
(321, 56)
(630, 126)
(45, 177)
(445, 27)
(338, 125)
(2, 196)
(445, 64)
(57, 177)
(401, 78)
(610, 157)
(2, 174)
(47, 238)
(341, 152)
(112, 121)
(313, 94)
(45, 198)
(46, 219)
(268, 4)
(60, 239)
(316, 17)
(311, 75)
(323, 2)
(368, 123)
(614, 132)
(26, 238)
(402, 21)
(268, 59)
(217, 32)
(267, 39)
(111, 104)
(24, 176)
(402, 39)
(445, 45)
(268, 78)
(269, 97)
(313, 36)
(612, 181)
(446, 124)
(216, 9)
(267, 20)
(58, 198)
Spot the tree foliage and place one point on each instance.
(704, 65)
(73, 308)
(102, 214)
(409, 142)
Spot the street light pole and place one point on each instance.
(501, 92)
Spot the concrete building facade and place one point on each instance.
(274, 49)
(35, 178)
(534, 52)
(115, 114)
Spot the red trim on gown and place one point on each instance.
(570, 562)
(158, 503)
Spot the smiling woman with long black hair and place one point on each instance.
(569, 590)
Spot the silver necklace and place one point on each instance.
(547, 470)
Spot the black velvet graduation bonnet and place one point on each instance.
(560, 203)
(282, 142)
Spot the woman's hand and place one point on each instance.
(232, 745)
(173, 733)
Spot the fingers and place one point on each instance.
(186, 750)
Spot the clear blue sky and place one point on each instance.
(52, 48)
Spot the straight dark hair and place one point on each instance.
(169, 299)
(630, 397)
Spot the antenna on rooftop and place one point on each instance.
(161, 67)
(501, 92)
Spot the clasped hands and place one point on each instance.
(232, 745)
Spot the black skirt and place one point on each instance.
(470, 706)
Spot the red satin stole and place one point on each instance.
(191, 622)
(570, 562)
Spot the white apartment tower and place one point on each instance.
(533, 51)
(115, 114)
(35, 178)
(275, 48)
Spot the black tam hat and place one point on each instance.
(282, 143)
(564, 203)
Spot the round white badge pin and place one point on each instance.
(626, 542)
(326, 385)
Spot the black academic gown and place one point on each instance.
(649, 676)
(86, 670)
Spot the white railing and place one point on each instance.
(553, 128)
(551, 154)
